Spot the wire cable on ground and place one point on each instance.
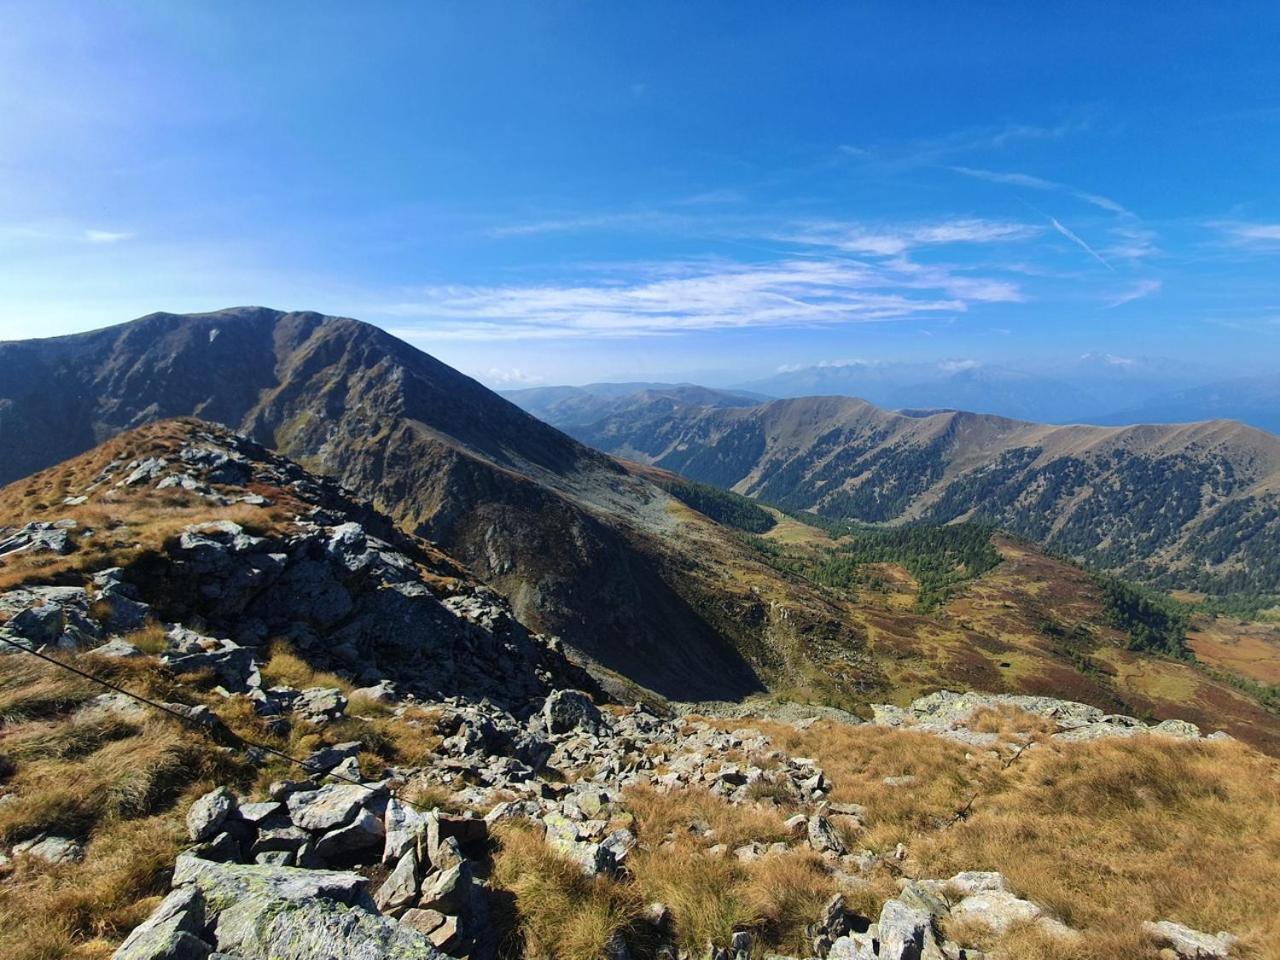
(198, 725)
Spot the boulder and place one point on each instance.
(328, 808)
(567, 711)
(1190, 944)
(364, 833)
(975, 881)
(260, 928)
(209, 813)
(400, 890)
(402, 824)
(52, 849)
(824, 838)
(172, 932)
(853, 946)
(902, 931)
(998, 909)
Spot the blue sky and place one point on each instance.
(559, 192)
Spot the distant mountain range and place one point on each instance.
(578, 406)
(1097, 389)
(1094, 388)
(1195, 505)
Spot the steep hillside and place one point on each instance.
(623, 571)
(1192, 505)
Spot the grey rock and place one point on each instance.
(364, 833)
(902, 931)
(823, 837)
(402, 825)
(172, 932)
(1190, 944)
(853, 946)
(260, 928)
(566, 711)
(207, 815)
(257, 812)
(321, 703)
(400, 890)
(328, 808)
(976, 881)
(223, 883)
(447, 891)
(998, 909)
(327, 757)
(424, 921)
(117, 649)
(276, 837)
(52, 849)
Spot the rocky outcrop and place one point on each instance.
(349, 600)
(948, 714)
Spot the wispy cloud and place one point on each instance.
(1066, 232)
(1251, 233)
(685, 297)
(511, 377)
(1131, 243)
(971, 140)
(60, 231)
(606, 221)
(1030, 182)
(1143, 288)
(895, 239)
(106, 236)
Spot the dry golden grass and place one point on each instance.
(554, 910)
(285, 668)
(121, 783)
(81, 910)
(1110, 833)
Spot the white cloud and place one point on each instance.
(958, 366)
(510, 376)
(59, 231)
(1143, 288)
(1039, 183)
(106, 236)
(1131, 243)
(1254, 233)
(682, 297)
(894, 239)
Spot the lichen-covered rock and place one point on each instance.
(258, 927)
(172, 932)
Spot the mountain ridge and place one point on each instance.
(1078, 488)
(583, 549)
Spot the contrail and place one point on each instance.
(1080, 243)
